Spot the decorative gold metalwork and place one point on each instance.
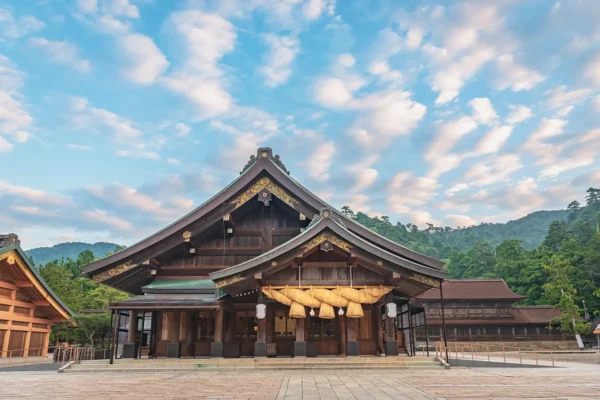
(379, 262)
(326, 236)
(9, 257)
(265, 154)
(426, 280)
(229, 281)
(273, 263)
(265, 183)
(118, 270)
(187, 236)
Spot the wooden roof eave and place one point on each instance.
(313, 231)
(174, 231)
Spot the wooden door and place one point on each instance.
(16, 343)
(284, 333)
(245, 332)
(324, 333)
(205, 331)
(367, 334)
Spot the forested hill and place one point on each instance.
(43, 255)
(440, 242)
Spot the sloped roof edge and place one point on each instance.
(246, 177)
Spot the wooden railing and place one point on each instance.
(61, 354)
(486, 352)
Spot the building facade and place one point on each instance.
(265, 267)
(28, 307)
(484, 310)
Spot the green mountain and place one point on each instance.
(43, 255)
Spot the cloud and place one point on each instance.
(538, 144)
(182, 130)
(407, 189)
(333, 92)
(15, 120)
(346, 60)
(110, 17)
(493, 141)
(518, 78)
(483, 111)
(145, 62)
(208, 37)
(492, 171)
(173, 161)
(318, 163)
(86, 117)
(32, 195)
(62, 53)
(518, 114)
(282, 51)
(73, 146)
(447, 135)
(592, 71)
(312, 9)
(14, 28)
(103, 218)
(563, 101)
(461, 220)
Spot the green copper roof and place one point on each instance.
(180, 284)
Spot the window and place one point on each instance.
(245, 325)
(205, 325)
(284, 325)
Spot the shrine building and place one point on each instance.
(266, 268)
(28, 307)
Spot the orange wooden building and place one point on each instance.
(28, 307)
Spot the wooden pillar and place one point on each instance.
(45, 345)
(173, 319)
(391, 344)
(300, 348)
(154, 332)
(216, 346)
(132, 329)
(379, 327)
(260, 346)
(190, 333)
(343, 337)
(352, 343)
(270, 334)
(28, 335)
(11, 310)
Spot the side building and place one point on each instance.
(264, 267)
(28, 307)
(484, 310)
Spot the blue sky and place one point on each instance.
(119, 116)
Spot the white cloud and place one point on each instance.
(563, 101)
(592, 71)
(73, 146)
(14, 117)
(15, 28)
(84, 117)
(492, 171)
(318, 163)
(363, 173)
(346, 60)
(597, 103)
(518, 114)
(407, 189)
(282, 51)
(333, 92)
(173, 161)
(145, 62)
(33, 195)
(312, 9)
(208, 38)
(483, 111)
(148, 155)
(461, 220)
(537, 144)
(493, 141)
(510, 74)
(63, 53)
(593, 135)
(182, 130)
(447, 135)
(102, 217)
(414, 38)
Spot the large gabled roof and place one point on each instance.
(263, 164)
(473, 289)
(10, 247)
(330, 223)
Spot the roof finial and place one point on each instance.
(265, 152)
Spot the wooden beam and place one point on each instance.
(11, 302)
(23, 284)
(230, 251)
(7, 285)
(8, 328)
(41, 303)
(24, 318)
(259, 278)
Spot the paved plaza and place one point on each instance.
(578, 381)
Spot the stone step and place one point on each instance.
(258, 365)
(252, 361)
(257, 368)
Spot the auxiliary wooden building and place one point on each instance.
(265, 267)
(28, 307)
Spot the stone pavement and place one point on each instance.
(457, 383)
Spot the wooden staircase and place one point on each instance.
(252, 364)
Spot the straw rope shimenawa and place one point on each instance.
(325, 298)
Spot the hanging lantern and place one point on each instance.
(391, 310)
(261, 311)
